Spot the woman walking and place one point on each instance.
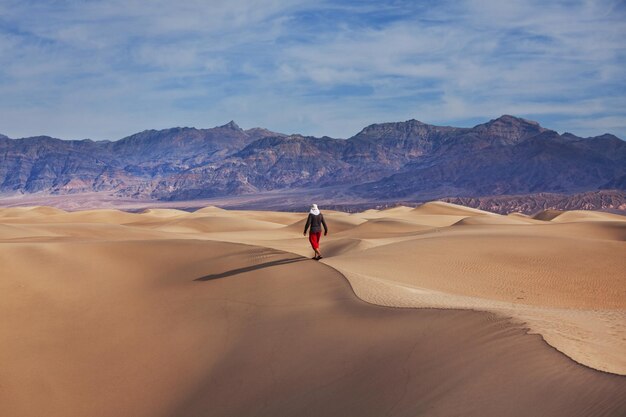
(316, 221)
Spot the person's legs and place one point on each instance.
(314, 238)
(317, 251)
(313, 242)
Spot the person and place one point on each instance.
(316, 221)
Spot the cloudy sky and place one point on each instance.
(107, 69)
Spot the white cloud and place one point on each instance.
(72, 68)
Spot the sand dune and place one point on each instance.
(109, 313)
(19, 231)
(528, 271)
(164, 212)
(443, 208)
(435, 214)
(554, 272)
(547, 215)
(109, 216)
(435, 220)
(399, 210)
(209, 210)
(99, 216)
(602, 230)
(283, 218)
(524, 218)
(29, 212)
(336, 247)
(215, 224)
(490, 220)
(580, 216)
(382, 227)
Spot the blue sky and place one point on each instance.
(107, 69)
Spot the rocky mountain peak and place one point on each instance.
(378, 127)
(508, 119)
(608, 136)
(510, 128)
(232, 125)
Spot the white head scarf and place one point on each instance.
(314, 210)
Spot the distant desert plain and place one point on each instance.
(439, 310)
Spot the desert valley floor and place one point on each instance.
(439, 310)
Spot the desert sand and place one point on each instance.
(439, 310)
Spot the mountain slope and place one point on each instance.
(478, 165)
(405, 160)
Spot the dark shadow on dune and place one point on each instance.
(250, 268)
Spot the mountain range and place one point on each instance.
(403, 161)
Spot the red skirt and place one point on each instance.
(314, 238)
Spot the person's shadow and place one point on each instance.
(250, 268)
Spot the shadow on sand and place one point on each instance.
(250, 268)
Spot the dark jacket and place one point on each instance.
(316, 223)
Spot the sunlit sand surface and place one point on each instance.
(222, 313)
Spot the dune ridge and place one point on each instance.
(561, 265)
